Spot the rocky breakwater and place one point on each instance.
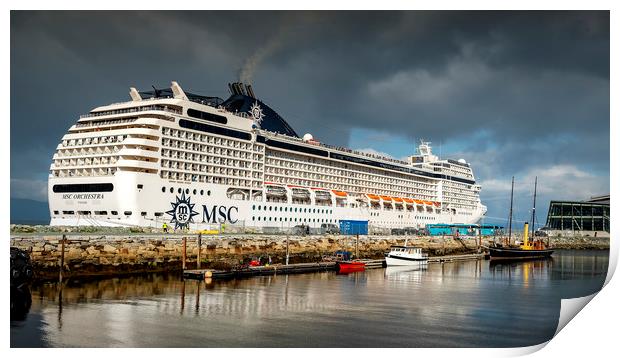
(112, 255)
(119, 254)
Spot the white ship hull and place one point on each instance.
(150, 161)
(404, 261)
(212, 208)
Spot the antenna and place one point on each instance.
(156, 91)
(510, 215)
(534, 208)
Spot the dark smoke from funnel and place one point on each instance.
(247, 71)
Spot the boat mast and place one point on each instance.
(510, 215)
(534, 208)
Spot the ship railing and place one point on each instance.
(343, 149)
(153, 107)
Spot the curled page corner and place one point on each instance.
(613, 261)
(569, 309)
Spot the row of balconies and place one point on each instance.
(202, 138)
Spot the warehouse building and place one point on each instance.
(589, 217)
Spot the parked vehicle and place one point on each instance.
(330, 229)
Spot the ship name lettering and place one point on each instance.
(219, 214)
(82, 196)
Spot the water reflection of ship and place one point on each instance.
(527, 270)
(405, 273)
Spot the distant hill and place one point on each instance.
(25, 211)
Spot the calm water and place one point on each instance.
(460, 304)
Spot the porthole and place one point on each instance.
(186, 191)
(209, 192)
(253, 208)
(253, 218)
(179, 190)
(163, 189)
(270, 208)
(202, 192)
(171, 190)
(194, 191)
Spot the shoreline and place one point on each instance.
(113, 254)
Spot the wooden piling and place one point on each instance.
(184, 253)
(62, 258)
(287, 249)
(199, 249)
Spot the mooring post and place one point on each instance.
(199, 247)
(287, 249)
(184, 252)
(62, 257)
(357, 239)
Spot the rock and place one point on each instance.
(110, 249)
(92, 251)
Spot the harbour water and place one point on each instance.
(453, 304)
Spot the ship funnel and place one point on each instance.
(250, 91)
(241, 89)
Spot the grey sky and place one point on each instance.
(514, 93)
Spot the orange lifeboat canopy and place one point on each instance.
(386, 198)
(373, 196)
(418, 201)
(437, 204)
(408, 201)
(341, 194)
(398, 200)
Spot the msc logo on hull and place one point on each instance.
(182, 213)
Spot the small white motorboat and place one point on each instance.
(406, 256)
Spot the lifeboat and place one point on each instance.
(278, 191)
(398, 200)
(299, 193)
(386, 198)
(373, 197)
(322, 195)
(342, 194)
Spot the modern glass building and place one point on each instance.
(591, 215)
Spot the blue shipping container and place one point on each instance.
(354, 227)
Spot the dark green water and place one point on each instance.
(459, 304)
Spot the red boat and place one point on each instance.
(350, 266)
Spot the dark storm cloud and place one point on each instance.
(535, 83)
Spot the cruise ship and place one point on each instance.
(198, 162)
